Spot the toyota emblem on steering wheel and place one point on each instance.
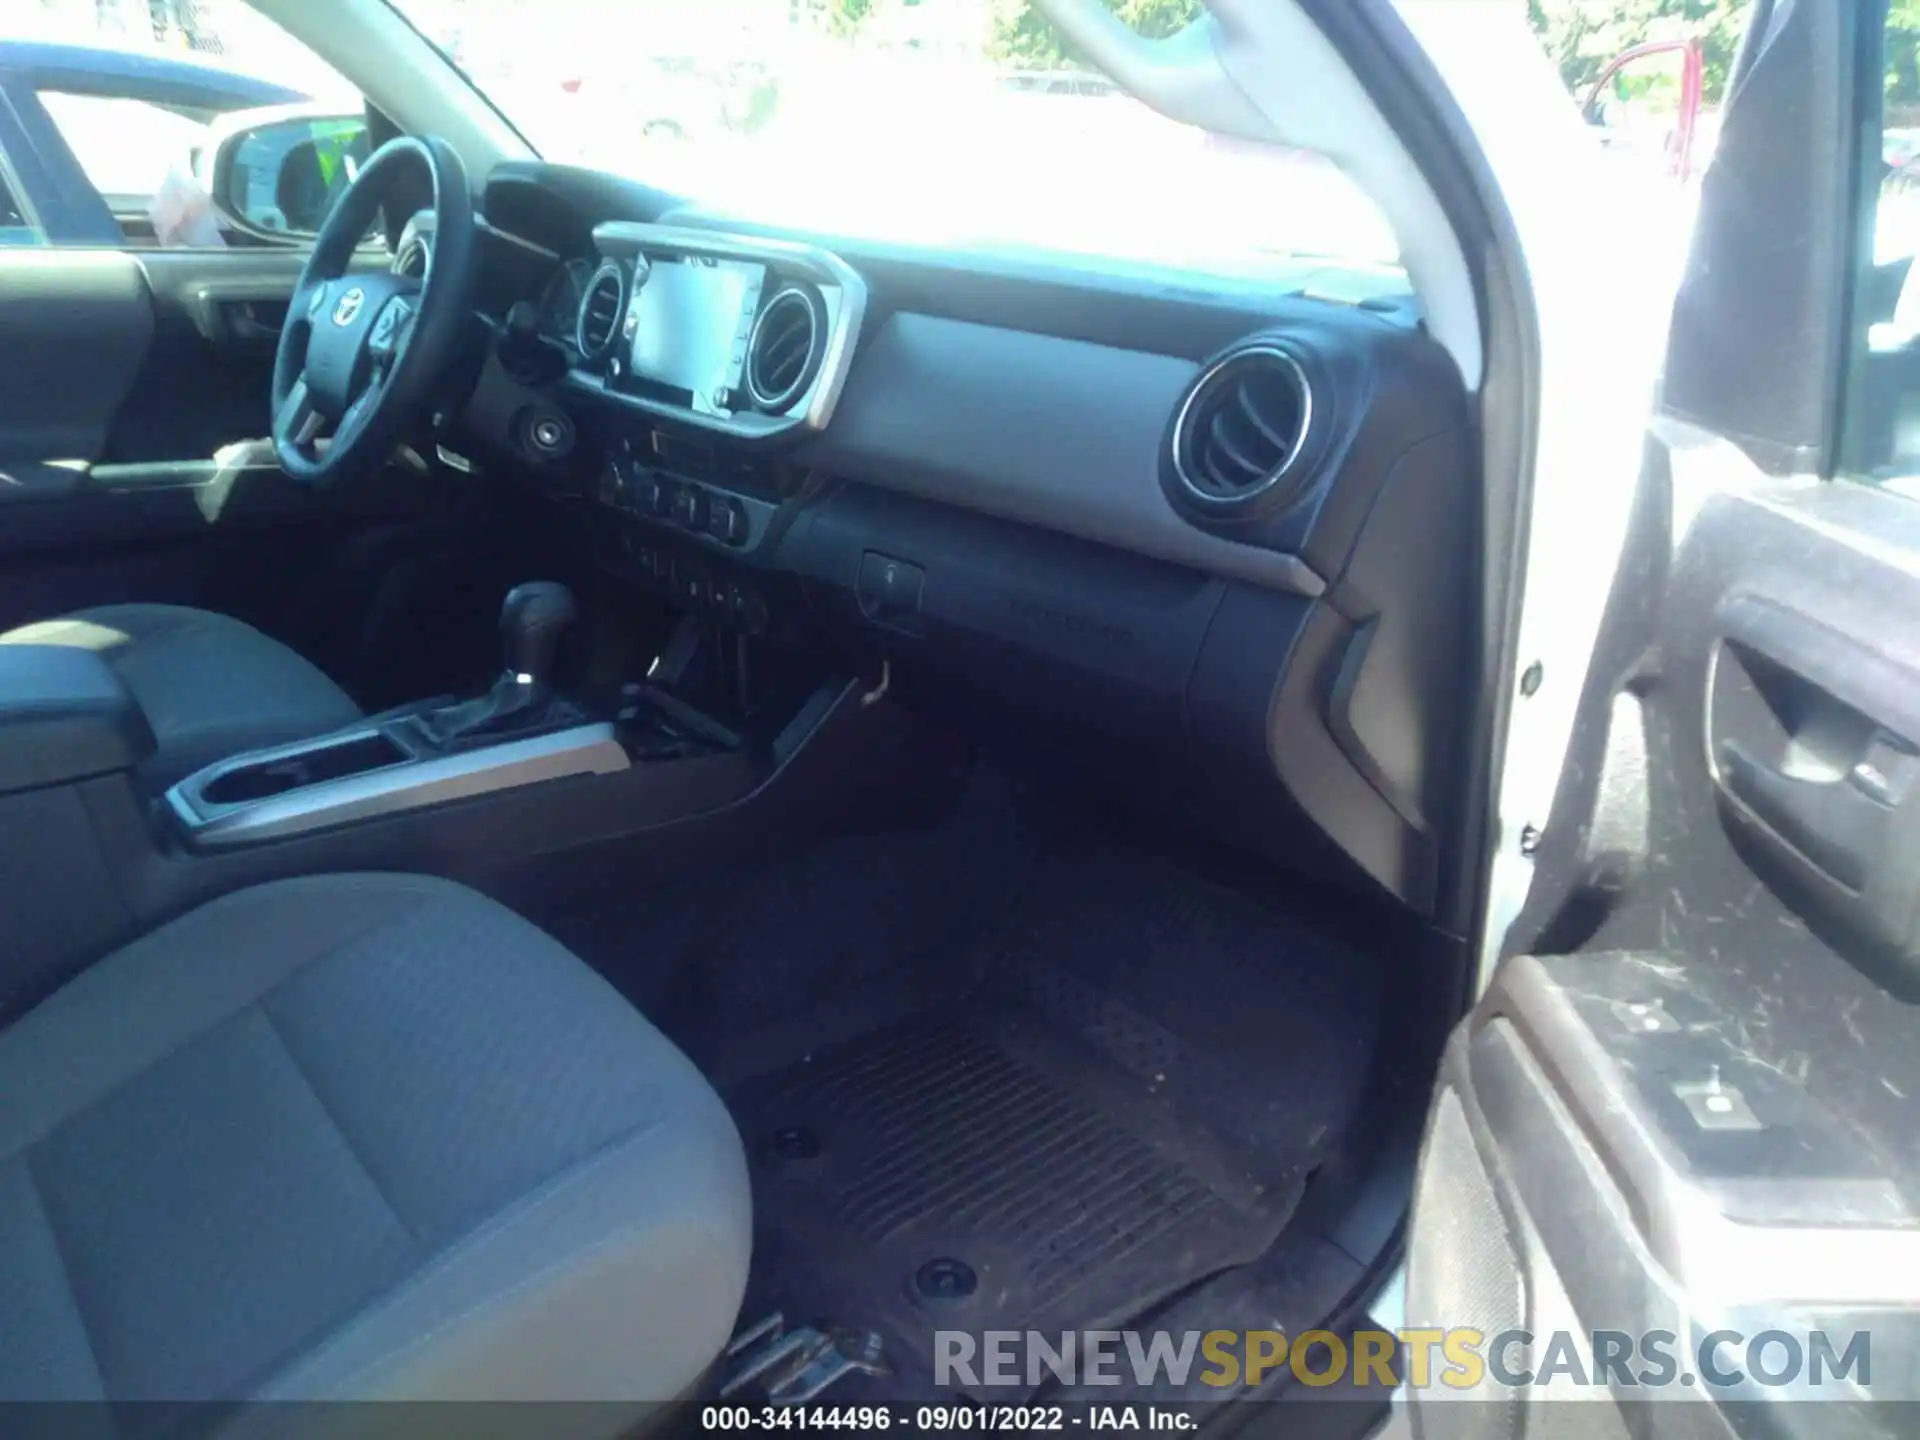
(349, 306)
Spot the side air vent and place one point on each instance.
(1240, 430)
(783, 354)
(600, 310)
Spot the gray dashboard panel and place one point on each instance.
(1057, 433)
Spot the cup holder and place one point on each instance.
(262, 780)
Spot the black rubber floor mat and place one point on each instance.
(933, 1177)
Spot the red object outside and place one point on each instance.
(1692, 90)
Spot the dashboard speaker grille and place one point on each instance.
(784, 352)
(600, 310)
(1241, 428)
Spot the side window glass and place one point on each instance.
(130, 152)
(1896, 230)
(158, 103)
(1880, 442)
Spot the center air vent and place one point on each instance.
(600, 310)
(784, 352)
(1240, 430)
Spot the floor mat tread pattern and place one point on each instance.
(936, 1143)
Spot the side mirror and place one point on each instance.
(278, 173)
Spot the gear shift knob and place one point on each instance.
(532, 621)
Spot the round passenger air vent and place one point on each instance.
(416, 255)
(1240, 430)
(783, 353)
(601, 306)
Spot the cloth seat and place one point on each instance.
(359, 1136)
(211, 686)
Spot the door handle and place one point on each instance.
(242, 312)
(1837, 823)
(246, 325)
(1811, 746)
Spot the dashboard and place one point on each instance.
(1207, 548)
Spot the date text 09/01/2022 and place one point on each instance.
(941, 1419)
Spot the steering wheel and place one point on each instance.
(359, 354)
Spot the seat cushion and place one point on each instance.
(358, 1136)
(210, 685)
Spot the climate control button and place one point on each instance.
(647, 493)
(690, 507)
(727, 520)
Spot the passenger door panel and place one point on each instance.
(1683, 1104)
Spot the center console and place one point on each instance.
(370, 772)
(521, 732)
(702, 699)
(699, 357)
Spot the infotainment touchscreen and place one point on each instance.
(690, 323)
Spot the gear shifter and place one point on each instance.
(532, 621)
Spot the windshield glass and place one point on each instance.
(944, 122)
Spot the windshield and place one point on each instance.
(957, 123)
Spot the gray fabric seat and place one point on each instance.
(210, 685)
(359, 1136)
